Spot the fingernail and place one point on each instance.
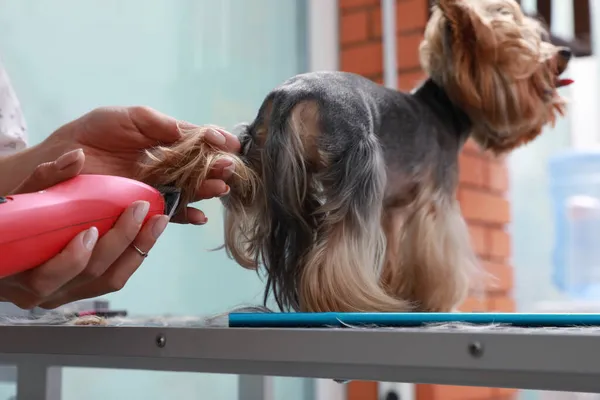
(215, 137)
(227, 190)
(159, 226)
(68, 158)
(140, 211)
(90, 237)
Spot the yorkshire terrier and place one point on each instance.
(345, 191)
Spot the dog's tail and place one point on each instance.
(317, 225)
(188, 163)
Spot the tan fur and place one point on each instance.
(340, 274)
(429, 257)
(342, 271)
(503, 75)
(305, 121)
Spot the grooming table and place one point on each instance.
(545, 359)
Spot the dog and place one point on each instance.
(345, 191)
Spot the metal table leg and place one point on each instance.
(38, 382)
(255, 387)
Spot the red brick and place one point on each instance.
(378, 79)
(411, 15)
(501, 304)
(408, 80)
(482, 206)
(375, 23)
(498, 176)
(499, 244)
(443, 392)
(354, 27)
(472, 169)
(505, 393)
(502, 277)
(362, 390)
(472, 304)
(479, 239)
(346, 4)
(408, 50)
(364, 59)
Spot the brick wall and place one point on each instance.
(483, 180)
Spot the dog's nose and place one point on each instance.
(565, 53)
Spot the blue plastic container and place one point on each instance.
(575, 192)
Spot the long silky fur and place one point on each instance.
(495, 64)
(316, 231)
(429, 255)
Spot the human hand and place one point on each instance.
(87, 267)
(114, 138)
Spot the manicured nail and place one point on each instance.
(215, 137)
(67, 159)
(90, 237)
(140, 211)
(159, 226)
(227, 190)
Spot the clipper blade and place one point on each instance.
(172, 197)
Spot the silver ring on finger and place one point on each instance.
(140, 252)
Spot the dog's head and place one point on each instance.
(498, 65)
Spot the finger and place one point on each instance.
(19, 297)
(211, 188)
(115, 277)
(222, 169)
(114, 242)
(49, 277)
(223, 139)
(190, 216)
(232, 143)
(49, 174)
(154, 125)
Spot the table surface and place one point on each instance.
(561, 359)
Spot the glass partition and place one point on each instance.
(199, 60)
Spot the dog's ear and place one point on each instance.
(467, 27)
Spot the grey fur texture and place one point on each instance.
(332, 176)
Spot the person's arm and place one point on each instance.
(17, 162)
(13, 129)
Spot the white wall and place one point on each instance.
(584, 106)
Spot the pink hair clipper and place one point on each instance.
(35, 227)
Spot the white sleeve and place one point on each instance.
(13, 131)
